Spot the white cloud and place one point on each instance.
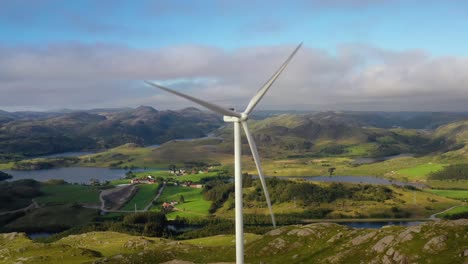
(357, 77)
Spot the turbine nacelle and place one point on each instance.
(232, 119)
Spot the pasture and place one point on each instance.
(144, 196)
(68, 193)
(454, 194)
(420, 172)
(194, 205)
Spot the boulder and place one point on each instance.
(275, 232)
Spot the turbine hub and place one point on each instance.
(232, 119)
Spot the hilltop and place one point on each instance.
(40, 133)
(431, 242)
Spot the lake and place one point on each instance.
(39, 235)
(71, 174)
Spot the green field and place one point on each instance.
(448, 184)
(454, 194)
(144, 196)
(6, 166)
(457, 210)
(53, 218)
(68, 193)
(194, 205)
(420, 172)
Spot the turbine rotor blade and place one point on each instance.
(256, 157)
(215, 108)
(254, 101)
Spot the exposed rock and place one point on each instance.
(383, 243)
(303, 232)
(459, 222)
(436, 244)
(415, 229)
(278, 243)
(400, 258)
(465, 253)
(362, 238)
(335, 238)
(11, 236)
(138, 243)
(386, 260)
(390, 252)
(275, 232)
(405, 236)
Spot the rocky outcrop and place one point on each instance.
(436, 244)
(383, 244)
(362, 238)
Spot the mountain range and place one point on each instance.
(317, 133)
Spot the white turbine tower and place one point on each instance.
(240, 118)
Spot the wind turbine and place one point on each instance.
(240, 118)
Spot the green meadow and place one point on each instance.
(68, 193)
(420, 172)
(457, 210)
(454, 194)
(194, 205)
(144, 196)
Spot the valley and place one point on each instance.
(333, 168)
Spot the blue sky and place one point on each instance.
(439, 27)
(379, 32)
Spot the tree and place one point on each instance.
(172, 167)
(129, 175)
(5, 176)
(331, 170)
(181, 199)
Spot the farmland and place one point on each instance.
(143, 197)
(193, 206)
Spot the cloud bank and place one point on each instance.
(354, 77)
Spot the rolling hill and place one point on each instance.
(48, 133)
(431, 242)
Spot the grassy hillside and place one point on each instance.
(432, 242)
(457, 131)
(85, 130)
